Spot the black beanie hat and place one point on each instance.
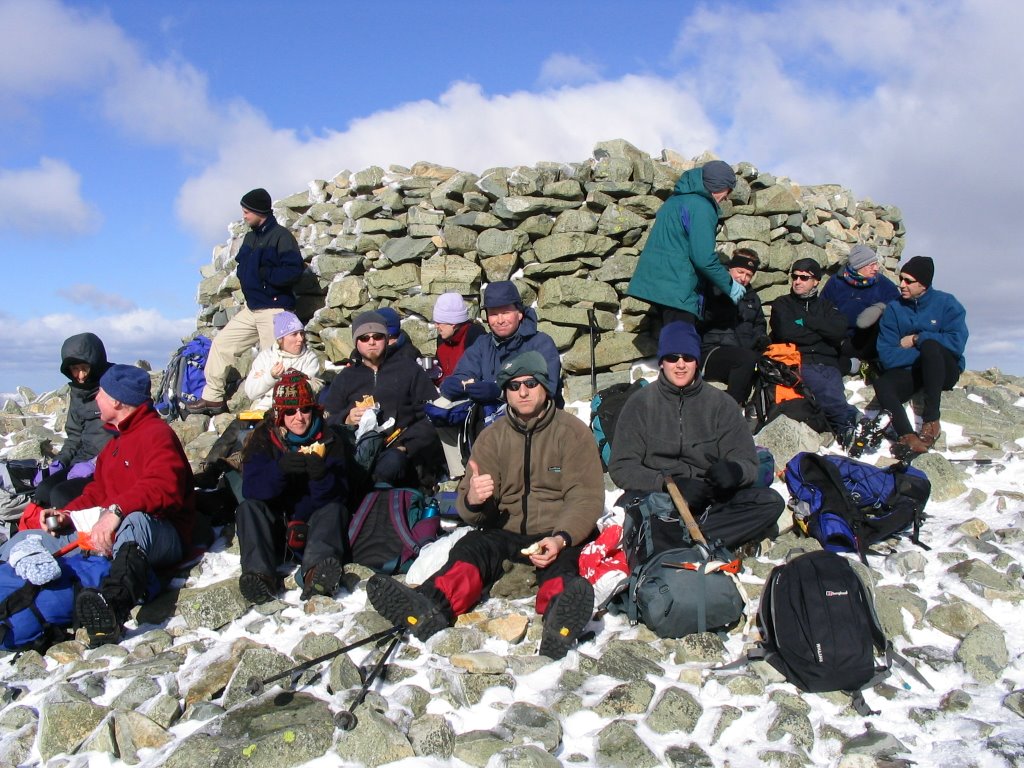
(258, 201)
(807, 264)
(921, 268)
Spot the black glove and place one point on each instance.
(696, 492)
(292, 463)
(484, 391)
(725, 475)
(316, 467)
(762, 344)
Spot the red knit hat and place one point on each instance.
(292, 390)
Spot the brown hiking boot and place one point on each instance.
(930, 432)
(913, 443)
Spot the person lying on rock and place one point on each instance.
(293, 482)
(534, 493)
(143, 484)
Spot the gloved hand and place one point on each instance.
(762, 343)
(82, 469)
(292, 463)
(44, 472)
(696, 492)
(315, 466)
(484, 391)
(870, 315)
(32, 561)
(725, 475)
(737, 292)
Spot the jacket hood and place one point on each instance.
(84, 348)
(692, 182)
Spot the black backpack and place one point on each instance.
(605, 408)
(390, 527)
(819, 628)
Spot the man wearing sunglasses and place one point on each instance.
(817, 328)
(397, 387)
(533, 489)
(684, 429)
(921, 348)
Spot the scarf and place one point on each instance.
(856, 279)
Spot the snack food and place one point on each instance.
(366, 402)
(318, 448)
(533, 549)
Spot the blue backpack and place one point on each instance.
(184, 378)
(37, 616)
(605, 408)
(848, 505)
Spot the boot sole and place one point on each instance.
(402, 605)
(326, 577)
(566, 619)
(255, 589)
(94, 614)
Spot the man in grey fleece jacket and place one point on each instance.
(682, 428)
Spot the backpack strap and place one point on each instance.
(401, 500)
(23, 598)
(355, 526)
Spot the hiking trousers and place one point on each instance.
(262, 536)
(936, 370)
(242, 331)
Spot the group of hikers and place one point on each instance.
(532, 487)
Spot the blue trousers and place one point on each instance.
(826, 384)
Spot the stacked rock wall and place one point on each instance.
(569, 234)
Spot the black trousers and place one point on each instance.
(57, 491)
(734, 367)
(261, 536)
(935, 370)
(749, 515)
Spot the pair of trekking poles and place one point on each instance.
(346, 720)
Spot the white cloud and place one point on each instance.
(47, 198)
(565, 69)
(32, 347)
(91, 296)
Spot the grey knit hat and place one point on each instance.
(860, 256)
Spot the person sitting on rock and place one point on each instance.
(921, 346)
(289, 352)
(683, 429)
(513, 331)
(396, 388)
(143, 485)
(733, 336)
(399, 343)
(861, 293)
(83, 361)
(293, 480)
(455, 332)
(817, 328)
(534, 493)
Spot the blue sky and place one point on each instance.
(131, 129)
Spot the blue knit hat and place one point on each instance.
(679, 338)
(127, 383)
(392, 319)
(501, 294)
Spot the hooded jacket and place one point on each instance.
(269, 264)
(86, 434)
(813, 324)
(680, 249)
(547, 476)
(484, 358)
(935, 315)
(665, 430)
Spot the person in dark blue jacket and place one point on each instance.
(860, 293)
(921, 346)
(513, 331)
(269, 264)
(294, 482)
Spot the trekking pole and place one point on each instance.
(256, 686)
(347, 720)
(592, 322)
(684, 512)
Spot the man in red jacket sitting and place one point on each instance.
(144, 484)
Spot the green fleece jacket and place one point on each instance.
(680, 249)
(547, 476)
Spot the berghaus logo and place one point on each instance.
(832, 593)
(817, 650)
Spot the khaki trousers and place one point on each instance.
(242, 331)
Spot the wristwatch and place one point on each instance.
(118, 513)
(565, 537)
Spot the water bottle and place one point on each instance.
(433, 509)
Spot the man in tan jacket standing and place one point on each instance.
(534, 490)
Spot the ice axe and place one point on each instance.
(684, 512)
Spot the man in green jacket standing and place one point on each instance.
(534, 491)
(680, 248)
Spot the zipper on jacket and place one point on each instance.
(526, 480)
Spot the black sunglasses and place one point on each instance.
(371, 337)
(528, 383)
(802, 277)
(676, 358)
(305, 410)
(908, 280)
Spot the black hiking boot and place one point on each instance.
(258, 588)
(98, 618)
(568, 614)
(403, 605)
(322, 579)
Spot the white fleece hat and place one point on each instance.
(450, 308)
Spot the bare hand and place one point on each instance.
(481, 487)
(102, 534)
(277, 370)
(548, 549)
(355, 415)
(63, 518)
(907, 342)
